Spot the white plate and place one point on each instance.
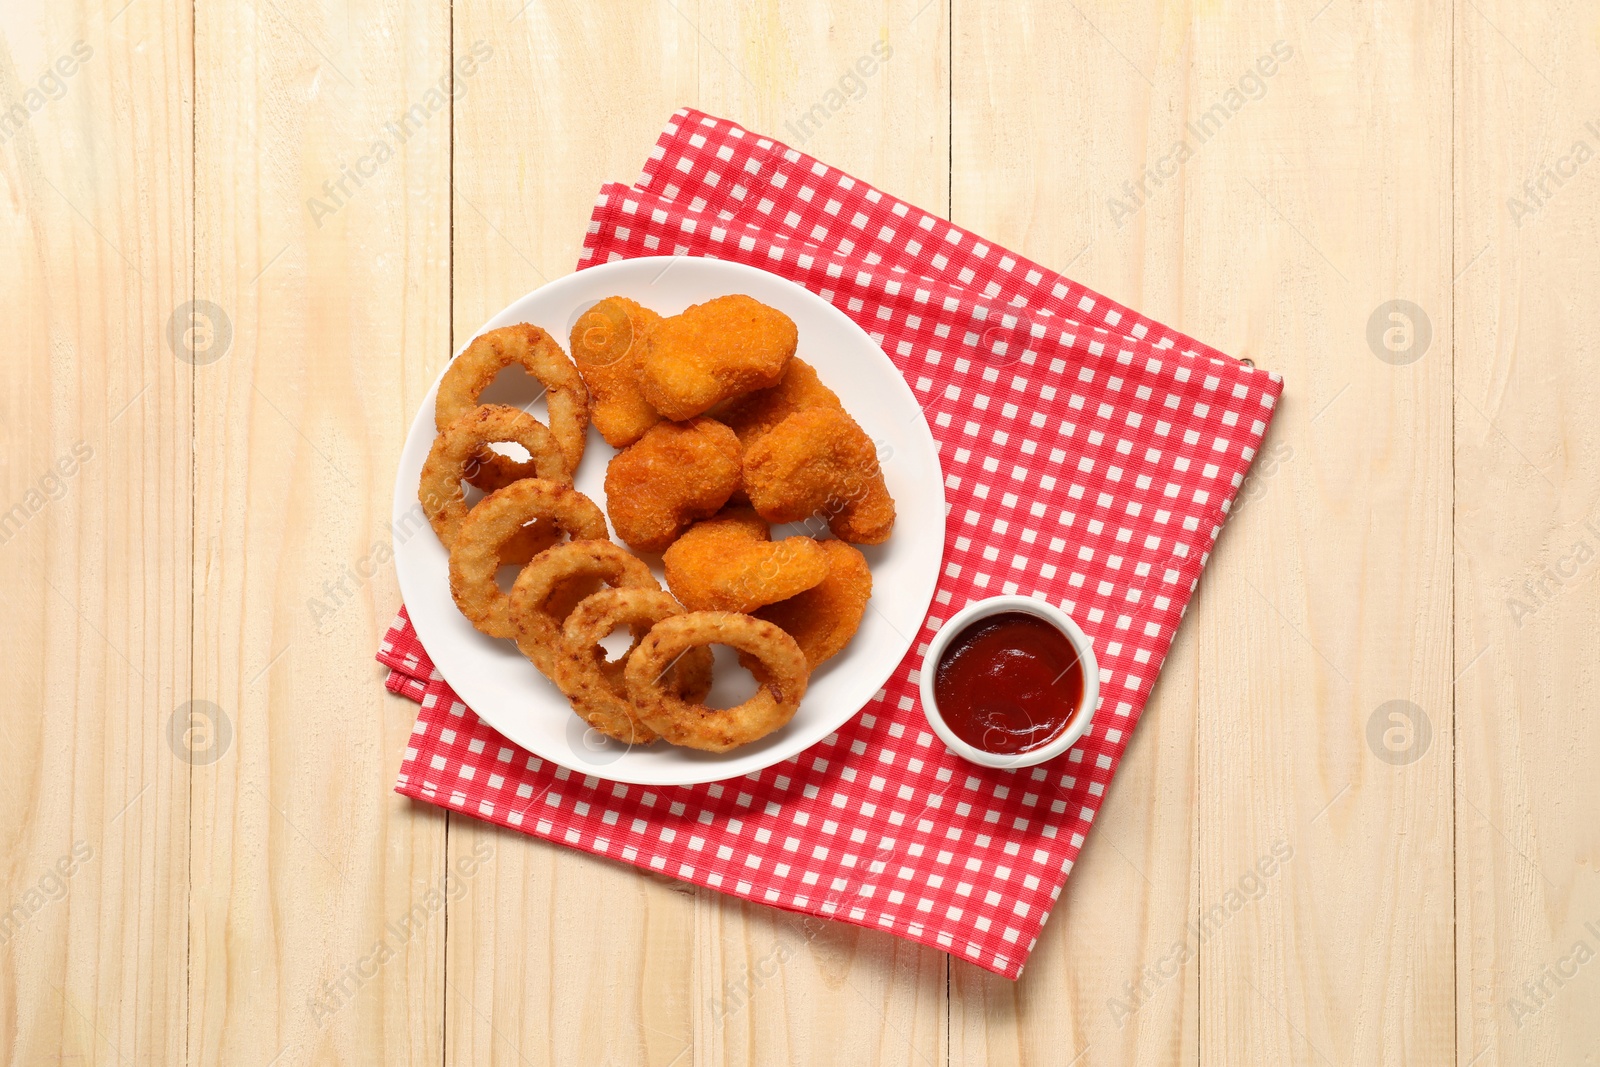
(493, 678)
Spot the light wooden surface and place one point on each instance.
(1426, 531)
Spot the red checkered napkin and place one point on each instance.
(1090, 456)
(746, 182)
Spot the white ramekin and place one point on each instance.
(978, 609)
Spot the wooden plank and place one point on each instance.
(94, 532)
(555, 956)
(1527, 129)
(1325, 691)
(1243, 242)
(323, 223)
(1049, 119)
(825, 992)
(1325, 799)
(597, 83)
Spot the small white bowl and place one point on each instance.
(1083, 715)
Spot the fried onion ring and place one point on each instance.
(595, 686)
(482, 537)
(543, 594)
(565, 394)
(693, 725)
(453, 452)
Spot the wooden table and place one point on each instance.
(194, 503)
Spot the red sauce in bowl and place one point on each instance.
(1009, 683)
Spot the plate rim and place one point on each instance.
(422, 422)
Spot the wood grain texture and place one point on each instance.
(350, 187)
(671, 970)
(1340, 176)
(569, 95)
(1260, 719)
(1527, 533)
(1035, 160)
(315, 935)
(94, 532)
(826, 992)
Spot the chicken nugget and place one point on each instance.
(713, 351)
(824, 618)
(818, 465)
(755, 413)
(730, 563)
(606, 343)
(673, 475)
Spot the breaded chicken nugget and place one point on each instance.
(730, 563)
(606, 343)
(754, 414)
(673, 475)
(818, 464)
(824, 618)
(713, 351)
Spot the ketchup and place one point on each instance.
(1008, 683)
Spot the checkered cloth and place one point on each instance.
(1090, 455)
